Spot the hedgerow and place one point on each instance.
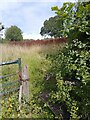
(71, 68)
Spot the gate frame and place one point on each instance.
(23, 79)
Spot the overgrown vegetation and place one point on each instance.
(34, 57)
(71, 65)
(72, 71)
(60, 84)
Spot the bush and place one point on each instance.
(71, 68)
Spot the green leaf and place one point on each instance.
(55, 8)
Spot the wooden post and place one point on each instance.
(25, 82)
(20, 96)
(24, 87)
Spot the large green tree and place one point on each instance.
(13, 33)
(51, 27)
(72, 20)
(75, 19)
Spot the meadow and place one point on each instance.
(35, 57)
(59, 81)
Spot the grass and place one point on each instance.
(29, 55)
(35, 58)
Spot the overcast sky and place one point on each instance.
(28, 15)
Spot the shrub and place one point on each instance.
(71, 68)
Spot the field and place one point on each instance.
(35, 57)
(55, 89)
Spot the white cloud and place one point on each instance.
(67, 1)
(17, 1)
(6, 6)
(32, 36)
(44, 0)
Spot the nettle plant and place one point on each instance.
(71, 67)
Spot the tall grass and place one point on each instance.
(29, 55)
(33, 56)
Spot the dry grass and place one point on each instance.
(14, 52)
(33, 56)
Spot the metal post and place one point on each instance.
(19, 63)
(20, 77)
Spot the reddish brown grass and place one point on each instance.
(39, 42)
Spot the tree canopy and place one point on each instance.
(72, 20)
(51, 27)
(13, 33)
(75, 19)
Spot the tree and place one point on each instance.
(13, 33)
(51, 27)
(72, 20)
(75, 19)
(71, 66)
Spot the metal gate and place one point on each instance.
(23, 81)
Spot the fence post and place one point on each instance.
(24, 87)
(25, 82)
(20, 77)
(19, 63)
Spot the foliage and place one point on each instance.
(75, 19)
(71, 67)
(51, 27)
(10, 107)
(72, 21)
(13, 33)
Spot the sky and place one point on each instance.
(28, 15)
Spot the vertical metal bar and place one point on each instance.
(20, 77)
(19, 63)
(20, 68)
